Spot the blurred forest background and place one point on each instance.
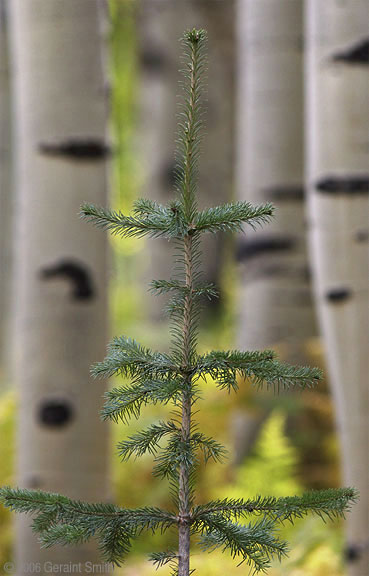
(88, 113)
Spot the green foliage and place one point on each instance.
(253, 543)
(231, 217)
(59, 520)
(270, 469)
(260, 368)
(177, 445)
(329, 504)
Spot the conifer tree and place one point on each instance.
(245, 528)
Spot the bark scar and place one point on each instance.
(337, 295)
(356, 54)
(153, 60)
(55, 413)
(77, 149)
(285, 193)
(265, 245)
(343, 185)
(75, 272)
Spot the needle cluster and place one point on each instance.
(245, 528)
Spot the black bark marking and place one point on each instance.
(266, 245)
(343, 185)
(337, 295)
(75, 272)
(357, 54)
(353, 553)
(153, 60)
(77, 149)
(33, 482)
(362, 236)
(281, 193)
(55, 413)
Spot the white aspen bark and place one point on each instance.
(61, 313)
(5, 200)
(275, 306)
(337, 172)
(161, 24)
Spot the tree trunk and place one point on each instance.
(61, 316)
(275, 304)
(161, 24)
(5, 200)
(337, 169)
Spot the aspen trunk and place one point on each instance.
(275, 304)
(61, 314)
(161, 24)
(5, 199)
(337, 171)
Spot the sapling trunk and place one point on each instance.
(184, 480)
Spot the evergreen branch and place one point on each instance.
(208, 290)
(147, 207)
(146, 440)
(209, 447)
(126, 402)
(175, 308)
(160, 559)
(164, 286)
(173, 213)
(64, 535)
(254, 544)
(178, 452)
(128, 358)
(150, 219)
(331, 503)
(64, 509)
(217, 360)
(60, 520)
(115, 542)
(231, 217)
(258, 367)
(223, 367)
(280, 376)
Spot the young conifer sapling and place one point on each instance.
(245, 528)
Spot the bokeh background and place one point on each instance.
(88, 97)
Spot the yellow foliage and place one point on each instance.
(270, 470)
(7, 411)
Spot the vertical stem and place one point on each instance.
(189, 204)
(184, 488)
